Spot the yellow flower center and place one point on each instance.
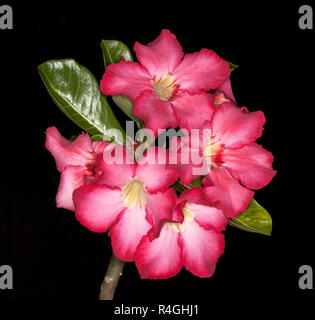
(134, 194)
(212, 152)
(188, 216)
(164, 87)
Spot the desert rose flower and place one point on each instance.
(223, 93)
(235, 164)
(75, 161)
(168, 87)
(129, 199)
(194, 240)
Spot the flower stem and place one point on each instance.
(113, 273)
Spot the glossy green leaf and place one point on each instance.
(126, 105)
(113, 50)
(76, 92)
(233, 66)
(98, 137)
(254, 219)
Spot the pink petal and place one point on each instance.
(232, 198)
(234, 127)
(128, 231)
(161, 56)
(76, 153)
(251, 165)
(160, 209)
(155, 113)
(178, 214)
(99, 146)
(159, 258)
(205, 133)
(97, 206)
(115, 174)
(126, 78)
(201, 249)
(186, 157)
(202, 70)
(206, 216)
(152, 171)
(193, 110)
(195, 195)
(226, 89)
(72, 177)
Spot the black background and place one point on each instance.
(52, 255)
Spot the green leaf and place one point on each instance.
(126, 105)
(254, 219)
(113, 50)
(76, 92)
(73, 137)
(178, 186)
(232, 66)
(197, 182)
(98, 137)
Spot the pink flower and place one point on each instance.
(167, 88)
(223, 93)
(128, 199)
(235, 164)
(194, 240)
(75, 160)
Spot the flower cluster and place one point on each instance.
(148, 222)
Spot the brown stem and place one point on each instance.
(113, 273)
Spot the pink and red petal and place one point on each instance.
(125, 78)
(236, 128)
(194, 195)
(99, 146)
(126, 234)
(155, 113)
(251, 165)
(200, 71)
(205, 134)
(193, 110)
(186, 157)
(224, 93)
(115, 167)
(161, 257)
(205, 215)
(159, 209)
(76, 153)
(152, 172)
(200, 248)
(227, 193)
(97, 206)
(208, 217)
(161, 56)
(72, 177)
